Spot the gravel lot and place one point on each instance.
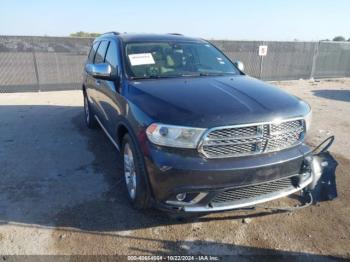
(61, 190)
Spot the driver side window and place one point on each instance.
(93, 52)
(101, 52)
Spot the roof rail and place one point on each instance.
(174, 34)
(111, 33)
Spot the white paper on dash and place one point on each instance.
(141, 59)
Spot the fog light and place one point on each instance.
(181, 196)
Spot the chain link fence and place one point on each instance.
(41, 63)
(56, 63)
(332, 60)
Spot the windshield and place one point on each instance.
(164, 59)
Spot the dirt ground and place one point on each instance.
(61, 190)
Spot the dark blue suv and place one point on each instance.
(196, 134)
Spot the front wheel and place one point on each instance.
(134, 174)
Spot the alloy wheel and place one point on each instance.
(129, 171)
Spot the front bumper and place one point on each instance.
(245, 202)
(171, 172)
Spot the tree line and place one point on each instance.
(338, 38)
(84, 34)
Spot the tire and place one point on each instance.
(89, 114)
(134, 177)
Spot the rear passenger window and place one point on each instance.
(93, 52)
(101, 52)
(112, 57)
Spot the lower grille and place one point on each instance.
(252, 139)
(254, 191)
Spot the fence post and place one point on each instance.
(36, 70)
(314, 60)
(261, 63)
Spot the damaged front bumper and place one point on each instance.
(243, 197)
(187, 183)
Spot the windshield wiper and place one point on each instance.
(205, 74)
(146, 77)
(182, 75)
(213, 74)
(151, 77)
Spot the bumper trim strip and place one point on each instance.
(249, 202)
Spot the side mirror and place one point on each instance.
(100, 71)
(239, 65)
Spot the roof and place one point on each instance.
(153, 37)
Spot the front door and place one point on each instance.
(109, 95)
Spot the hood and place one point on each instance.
(213, 101)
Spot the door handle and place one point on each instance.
(98, 82)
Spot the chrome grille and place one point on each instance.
(233, 132)
(252, 139)
(253, 191)
(290, 125)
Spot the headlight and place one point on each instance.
(174, 136)
(308, 119)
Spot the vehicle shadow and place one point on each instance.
(340, 95)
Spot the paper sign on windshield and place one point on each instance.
(141, 59)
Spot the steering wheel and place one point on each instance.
(153, 70)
